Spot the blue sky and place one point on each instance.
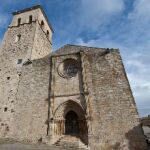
(123, 24)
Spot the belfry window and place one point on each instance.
(19, 21)
(47, 34)
(42, 24)
(30, 19)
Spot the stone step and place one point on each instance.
(70, 142)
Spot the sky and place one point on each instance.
(123, 24)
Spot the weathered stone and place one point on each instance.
(76, 90)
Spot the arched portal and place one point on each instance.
(71, 123)
(70, 118)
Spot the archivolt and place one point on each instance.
(67, 106)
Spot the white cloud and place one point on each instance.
(132, 39)
(141, 11)
(104, 42)
(139, 75)
(93, 13)
(141, 90)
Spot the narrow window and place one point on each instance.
(30, 19)
(19, 21)
(47, 34)
(19, 61)
(42, 24)
(19, 37)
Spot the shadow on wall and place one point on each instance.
(136, 139)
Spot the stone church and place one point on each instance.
(75, 91)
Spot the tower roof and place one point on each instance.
(32, 8)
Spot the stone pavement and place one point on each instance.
(19, 146)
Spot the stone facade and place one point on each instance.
(41, 91)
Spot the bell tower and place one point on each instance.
(29, 35)
(28, 39)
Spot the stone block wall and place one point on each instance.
(31, 104)
(11, 52)
(114, 117)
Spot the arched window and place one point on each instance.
(18, 37)
(42, 24)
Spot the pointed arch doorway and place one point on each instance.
(71, 123)
(69, 118)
